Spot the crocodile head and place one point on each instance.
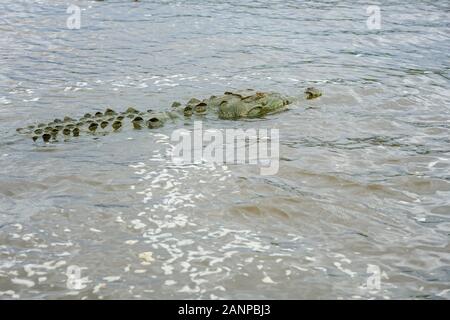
(312, 93)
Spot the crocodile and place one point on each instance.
(232, 105)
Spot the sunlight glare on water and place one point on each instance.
(364, 179)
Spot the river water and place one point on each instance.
(360, 206)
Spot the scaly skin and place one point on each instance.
(230, 106)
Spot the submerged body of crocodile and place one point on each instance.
(231, 105)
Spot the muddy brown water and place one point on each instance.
(363, 189)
